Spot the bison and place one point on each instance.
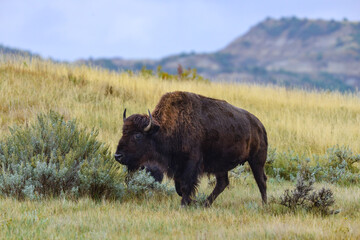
(189, 135)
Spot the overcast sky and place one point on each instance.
(73, 29)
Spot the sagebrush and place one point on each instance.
(339, 165)
(142, 184)
(305, 197)
(54, 157)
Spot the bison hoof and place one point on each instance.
(185, 202)
(207, 204)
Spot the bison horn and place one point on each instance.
(148, 127)
(124, 115)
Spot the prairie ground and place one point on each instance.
(236, 214)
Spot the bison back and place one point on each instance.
(226, 135)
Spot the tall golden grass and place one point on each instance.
(302, 121)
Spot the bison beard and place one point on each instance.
(188, 135)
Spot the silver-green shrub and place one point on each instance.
(142, 184)
(339, 165)
(54, 157)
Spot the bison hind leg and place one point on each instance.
(222, 181)
(257, 164)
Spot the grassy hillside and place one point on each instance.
(305, 122)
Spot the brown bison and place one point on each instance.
(188, 135)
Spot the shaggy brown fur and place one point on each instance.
(190, 135)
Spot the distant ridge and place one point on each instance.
(15, 51)
(291, 52)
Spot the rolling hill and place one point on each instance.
(14, 51)
(290, 52)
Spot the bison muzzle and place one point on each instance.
(189, 135)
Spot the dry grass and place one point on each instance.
(237, 214)
(305, 122)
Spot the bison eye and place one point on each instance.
(138, 136)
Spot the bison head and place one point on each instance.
(136, 145)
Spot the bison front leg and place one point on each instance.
(178, 187)
(222, 181)
(189, 181)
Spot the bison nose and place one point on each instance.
(119, 157)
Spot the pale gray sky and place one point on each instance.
(133, 29)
